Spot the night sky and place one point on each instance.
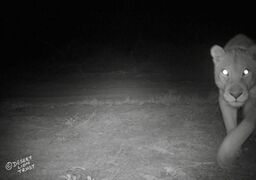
(37, 34)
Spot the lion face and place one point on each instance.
(234, 74)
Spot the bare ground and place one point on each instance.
(116, 126)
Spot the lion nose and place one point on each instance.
(236, 93)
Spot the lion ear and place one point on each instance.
(252, 51)
(217, 52)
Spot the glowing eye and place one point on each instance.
(245, 72)
(225, 72)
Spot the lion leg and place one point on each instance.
(231, 145)
(229, 115)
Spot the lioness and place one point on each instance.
(235, 76)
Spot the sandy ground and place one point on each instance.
(115, 127)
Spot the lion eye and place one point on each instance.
(245, 72)
(225, 72)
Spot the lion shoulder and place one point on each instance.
(240, 41)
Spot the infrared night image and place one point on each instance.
(126, 91)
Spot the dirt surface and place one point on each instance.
(115, 126)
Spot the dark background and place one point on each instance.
(39, 38)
